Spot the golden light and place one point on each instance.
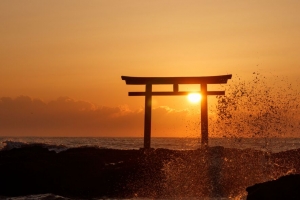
(194, 97)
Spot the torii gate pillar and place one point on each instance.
(147, 122)
(175, 81)
(204, 116)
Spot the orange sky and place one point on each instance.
(80, 49)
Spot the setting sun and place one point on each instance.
(194, 97)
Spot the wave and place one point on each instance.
(9, 145)
(37, 197)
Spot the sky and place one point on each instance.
(61, 62)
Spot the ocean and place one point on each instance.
(62, 143)
(264, 145)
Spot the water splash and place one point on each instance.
(260, 108)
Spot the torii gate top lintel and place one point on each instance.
(176, 80)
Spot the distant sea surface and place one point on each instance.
(63, 143)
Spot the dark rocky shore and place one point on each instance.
(157, 173)
(286, 187)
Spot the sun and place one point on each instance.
(194, 97)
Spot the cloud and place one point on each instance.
(26, 116)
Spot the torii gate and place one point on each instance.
(175, 81)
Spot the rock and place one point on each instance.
(87, 172)
(286, 187)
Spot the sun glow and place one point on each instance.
(194, 97)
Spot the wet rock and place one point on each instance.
(286, 187)
(82, 172)
(88, 172)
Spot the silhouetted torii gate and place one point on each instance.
(175, 81)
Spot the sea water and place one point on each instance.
(62, 143)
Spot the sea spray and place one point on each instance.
(214, 172)
(260, 108)
(219, 172)
(250, 109)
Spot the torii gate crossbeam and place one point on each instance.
(175, 81)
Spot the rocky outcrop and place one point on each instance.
(157, 173)
(284, 188)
